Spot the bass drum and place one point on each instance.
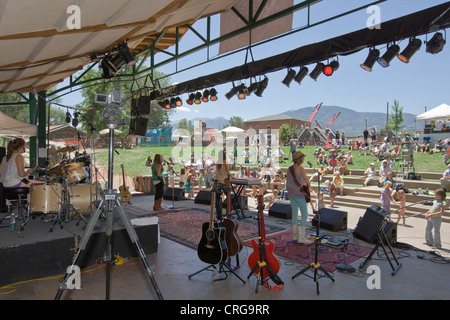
(46, 198)
(81, 199)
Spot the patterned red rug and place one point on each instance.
(185, 225)
(328, 257)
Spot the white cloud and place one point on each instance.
(185, 109)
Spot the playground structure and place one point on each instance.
(161, 136)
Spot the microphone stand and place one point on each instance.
(316, 266)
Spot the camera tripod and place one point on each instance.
(109, 200)
(316, 267)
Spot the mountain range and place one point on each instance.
(350, 121)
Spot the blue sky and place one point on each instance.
(423, 83)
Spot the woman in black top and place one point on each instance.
(158, 181)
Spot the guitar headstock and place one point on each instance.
(121, 166)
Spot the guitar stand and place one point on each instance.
(221, 270)
(380, 240)
(316, 267)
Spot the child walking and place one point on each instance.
(386, 197)
(434, 219)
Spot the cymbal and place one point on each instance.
(69, 148)
(85, 155)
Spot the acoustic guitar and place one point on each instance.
(212, 248)
(262, 257)
(124, 193)
(232, 238)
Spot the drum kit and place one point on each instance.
(69, 190)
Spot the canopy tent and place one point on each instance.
(232, 130)
(13, 127)
(440, 112)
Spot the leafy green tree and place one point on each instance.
(396, 118)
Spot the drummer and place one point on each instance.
(13, 166)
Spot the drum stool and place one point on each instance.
(19, 195)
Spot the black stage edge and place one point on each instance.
(36, 252)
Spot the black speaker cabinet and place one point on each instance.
(138, 126)
(243, 202)
(144, 105)
(175, 193)
(331, 219)
(370, 224)
(281, 209)
(203, 197)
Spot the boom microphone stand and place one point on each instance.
(109, 200)
(316, 266)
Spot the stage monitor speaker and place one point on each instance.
(144, 105)
(243, 202)
(281, 209)
(138, 126)
(203, 197)
(331, 219)
(175, 193)
(370, 224)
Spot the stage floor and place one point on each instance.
(423, 275)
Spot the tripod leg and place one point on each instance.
(82, 245)
(134, 238)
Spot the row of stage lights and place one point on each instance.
(194, 98)
(434, 46)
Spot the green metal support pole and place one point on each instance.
(42, 125)
(32, 103)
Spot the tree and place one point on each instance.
(237, 122)
(396, 118)
(285, 132)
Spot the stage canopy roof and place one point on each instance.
(42, 44)
(440, 112)
(13, 127)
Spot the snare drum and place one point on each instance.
(46, 198)
(80, 197)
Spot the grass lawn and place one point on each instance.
(134, 159)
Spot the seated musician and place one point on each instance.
(13, 166)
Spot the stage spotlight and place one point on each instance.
(205, 96)
(373, 56)
(331, 68)
(436, 44)
(213, 94)
(301, 75)
(391, 52)
(243, 92)
(126, 54)
(413, 46)
(198, 98)
(317, 71)
(262, 86)
(289, 77)
(190, 100)
(230, 94)
(178, 102)
(252, 88)
(166, 104)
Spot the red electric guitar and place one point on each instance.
(263, 260)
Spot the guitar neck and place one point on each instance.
(123, 174)
(261, 216)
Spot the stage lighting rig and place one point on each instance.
(301, 75)
(331, 68)
(436, 44)
(190, 100)
(289, 77)
(262, 87)
(413, 46)
(390, 54)
(373, 56)
(213, 94)
(317, 71)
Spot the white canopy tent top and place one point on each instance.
(232, 130)
(440, 112)
(13, 127)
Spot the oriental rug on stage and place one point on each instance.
(185, 225)
(328, 257)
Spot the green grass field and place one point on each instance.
(134, 159)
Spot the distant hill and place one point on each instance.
(350, 121)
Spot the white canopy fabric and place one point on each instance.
(440, 112)
(232, 130)
(13, 127)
